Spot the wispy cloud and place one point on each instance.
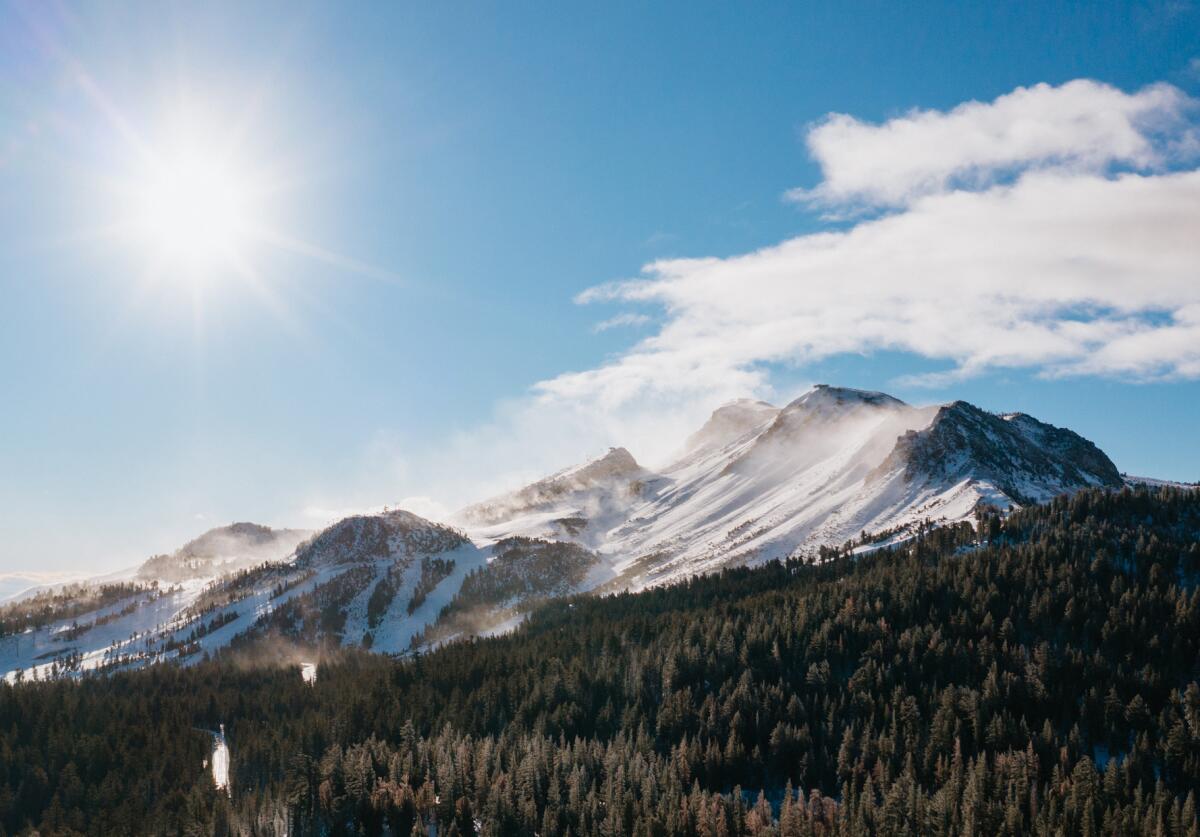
(627, 320)
(661, 238)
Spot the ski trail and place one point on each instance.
(220, 762)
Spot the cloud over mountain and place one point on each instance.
(1053, 229)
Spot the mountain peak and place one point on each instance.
(367, 536)
(210, 543)
(824, 407)
(616, 462)
(824, 396)
(1028, 460)
(745, 403)
(731, 421)
(614, 472)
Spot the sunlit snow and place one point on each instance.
(220, 761)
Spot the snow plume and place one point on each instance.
(274, 652)
(529, 438)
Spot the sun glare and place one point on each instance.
(196, 203)
(192, 211)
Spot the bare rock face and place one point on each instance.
(1028, 460)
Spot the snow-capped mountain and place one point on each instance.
(593, 497)
(755, 482)
(758, 482)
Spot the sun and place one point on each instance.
(192, 210)
(195, 203)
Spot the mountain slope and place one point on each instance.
(758, 482)
(1029, 461)
(377, 581)
(755, 482)
(580, 503)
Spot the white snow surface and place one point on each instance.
(220, 761)
(397, 628)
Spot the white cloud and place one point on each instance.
(1064, 272)
(1085, 260)
(629, 319)
(1083, 126)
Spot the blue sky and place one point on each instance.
(466, 172)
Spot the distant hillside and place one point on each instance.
(222, 550)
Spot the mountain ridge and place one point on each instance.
(755, 482)
(769, 482)
(228, 548)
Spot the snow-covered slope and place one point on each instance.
(386, 582)
(580, 504)
(758, 482)
(755, 482)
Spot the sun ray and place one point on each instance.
(330, 257)
(267, 296)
